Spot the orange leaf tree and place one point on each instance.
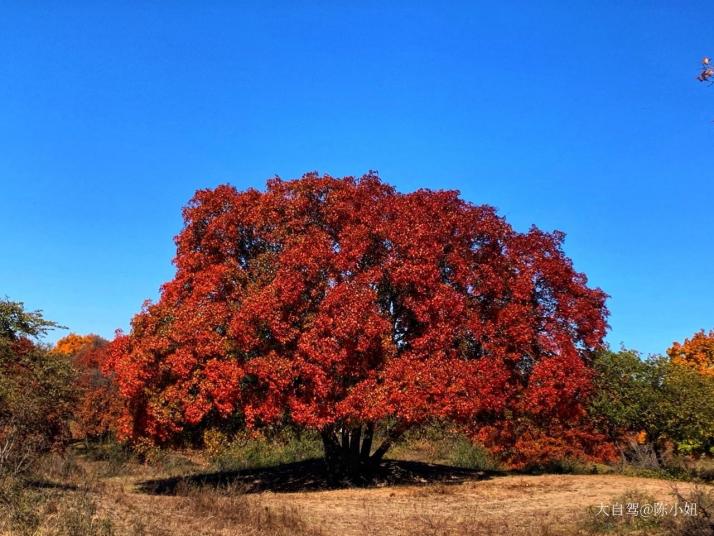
(344, 306)
(697, 352)
(74, 344)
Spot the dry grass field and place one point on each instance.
(86, 496)
(548, 504)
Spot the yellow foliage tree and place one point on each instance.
(697, 352)
(73, 344)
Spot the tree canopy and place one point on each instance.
(343, 305)
(696, 352)
(17, 323)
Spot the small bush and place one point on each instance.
(469, 455)
(704, 469)
(147, 451)
(214, 441)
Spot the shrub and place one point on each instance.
(214, 441)
(472, 456)
(537, 444)
(37, 390)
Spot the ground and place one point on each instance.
(422, 499)
(523, 504)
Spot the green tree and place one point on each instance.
(16, 323)
(669, 402)
(36, 389)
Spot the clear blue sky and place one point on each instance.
(579, 116)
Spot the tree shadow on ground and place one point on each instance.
(47, 484)
(312, 475)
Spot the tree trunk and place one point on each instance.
(367, 441)
(348, 451)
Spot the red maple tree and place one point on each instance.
(344, 306)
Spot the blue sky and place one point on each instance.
(579, 116)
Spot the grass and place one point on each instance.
(698, 522)
(232, 506)
(676, 468)
(617, 516)
(90, 491)
(701, 524)
(433, 444)
(252, 453)
(29, 509)
(95, 490)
